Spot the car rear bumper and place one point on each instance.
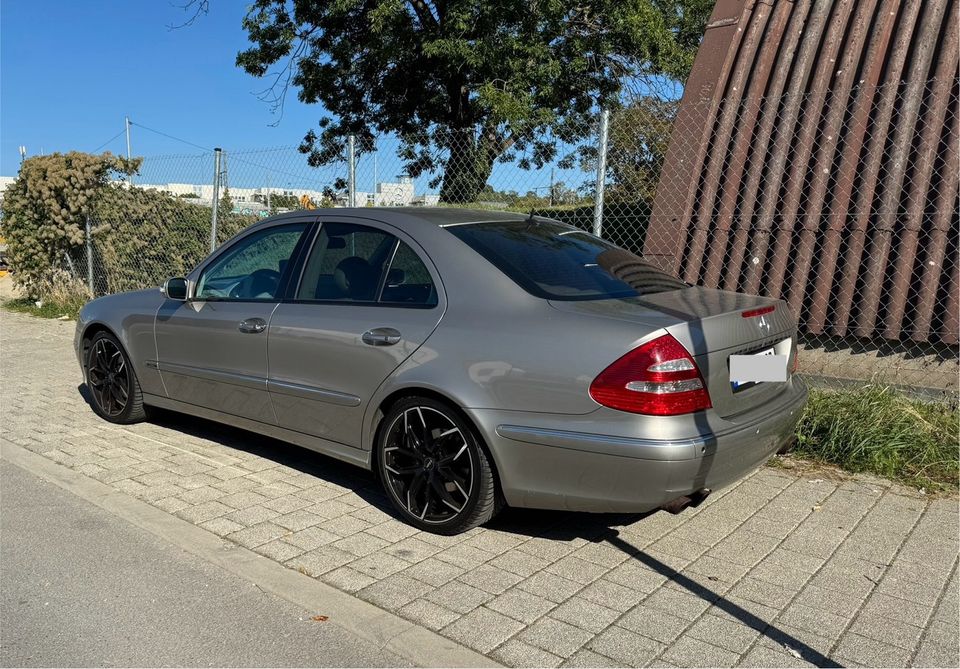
(541, 466)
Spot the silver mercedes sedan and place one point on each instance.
(471, 359)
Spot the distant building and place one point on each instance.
(4, 182)
(400, 193)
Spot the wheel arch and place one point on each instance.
(376, 423)
(90, 331)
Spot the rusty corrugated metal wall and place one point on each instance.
(815, 158)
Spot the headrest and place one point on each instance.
(356, 278)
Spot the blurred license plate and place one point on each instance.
(762, 367)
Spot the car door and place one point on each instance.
(212, 349)
(368, 297)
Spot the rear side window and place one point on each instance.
(408, 280)
(558, 262)
(357, 263)
(346, 264)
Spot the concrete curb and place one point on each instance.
(420, 646)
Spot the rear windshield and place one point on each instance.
(558, 262)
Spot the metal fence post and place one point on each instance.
(126, 125)
(89, 256)
(73, 270)
(601, 174)
(216, 199)
(352, 178)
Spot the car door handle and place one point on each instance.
(252, 325)
(381, 337)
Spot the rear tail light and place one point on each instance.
(658, 378)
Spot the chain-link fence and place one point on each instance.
(845, 208)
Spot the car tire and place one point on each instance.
(434, 467)
(115, 393)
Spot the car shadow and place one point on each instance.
(556, 525)
(330, 470)
(745, 617)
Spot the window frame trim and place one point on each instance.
(389, 266)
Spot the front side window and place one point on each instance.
(252, 268)
(557, 262)
(346, 264)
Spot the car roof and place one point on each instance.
(439, 216)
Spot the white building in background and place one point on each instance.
(392, 194)
(396, 194)
(4, 182)
(248, 195)
(400, 193)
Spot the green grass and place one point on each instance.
(881, 431)
(47, 309)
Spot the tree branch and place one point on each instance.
(282, 79)
(424, 14)
(200, 7)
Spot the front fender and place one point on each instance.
(130, 318)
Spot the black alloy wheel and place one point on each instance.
(434, 469)
(114, 388)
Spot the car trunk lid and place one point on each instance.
(712, 325)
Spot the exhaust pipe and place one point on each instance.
(693, 500)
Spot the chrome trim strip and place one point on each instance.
(312, 393)
(602, 444)
(220, 376)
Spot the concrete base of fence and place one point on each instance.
(930, 371)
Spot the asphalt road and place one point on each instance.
(80, 587)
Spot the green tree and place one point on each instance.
(139, 237)
(639, 138)
(226, 204)
(45, 210)
(560, 194)
(465, 83)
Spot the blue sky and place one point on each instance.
(71, 70)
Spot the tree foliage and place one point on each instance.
(142, 237)
(465, 83)
(139, 237)
(639, 138)
(45, 210)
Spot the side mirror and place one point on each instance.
(175, 289)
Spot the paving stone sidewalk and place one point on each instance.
(780, 570)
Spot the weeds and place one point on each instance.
(61, 295)
(881, 431)
(46, 309)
